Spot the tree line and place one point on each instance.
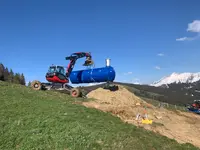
(175, 94)
(9, 76)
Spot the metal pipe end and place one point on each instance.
(107, 62)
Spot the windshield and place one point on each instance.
(51, 69)
(60, 70)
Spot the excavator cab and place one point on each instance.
(56, 69)
(56, 74)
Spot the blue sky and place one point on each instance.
(145, 40)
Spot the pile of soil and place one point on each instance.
(181, 126)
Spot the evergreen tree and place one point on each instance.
(29, 83)
(17, 78)
(22, 79)
(11, 76)
(6, 74)
(2, 68)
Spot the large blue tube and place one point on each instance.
(93, 75)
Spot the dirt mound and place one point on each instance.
(182, 126)
(122, 103)
(117, 98)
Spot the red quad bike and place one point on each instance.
(57, 77)
(194, 107)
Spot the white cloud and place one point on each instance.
(133, 81)
(185, 39)
(128, 73)
(136, 81)
(192, 27)
(157, 67)
(160, 54)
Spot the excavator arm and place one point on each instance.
(73, 57)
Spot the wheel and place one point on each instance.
(75, 92)
(36, 85)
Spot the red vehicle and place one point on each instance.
(194, 107)
(58, 78)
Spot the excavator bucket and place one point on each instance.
(88, 62)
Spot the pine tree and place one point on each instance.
(29, 83)
(11, 76)
(2, 68)
(22, 79)
(17, 78)
(6, 74)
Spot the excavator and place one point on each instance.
(58, 78)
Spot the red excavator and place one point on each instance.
(58, 78)
(56, 74)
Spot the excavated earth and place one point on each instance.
(181, 126)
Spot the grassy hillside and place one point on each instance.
(50, 120)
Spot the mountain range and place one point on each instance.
(178, 78)
(177, 88)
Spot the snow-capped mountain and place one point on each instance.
(178, 78)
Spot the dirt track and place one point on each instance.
(182, 126)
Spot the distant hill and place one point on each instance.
(179, 94)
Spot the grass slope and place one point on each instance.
(49, 120)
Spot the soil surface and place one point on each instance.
(181, 126)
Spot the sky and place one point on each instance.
(145, 40)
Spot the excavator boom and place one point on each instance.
(73, 59)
